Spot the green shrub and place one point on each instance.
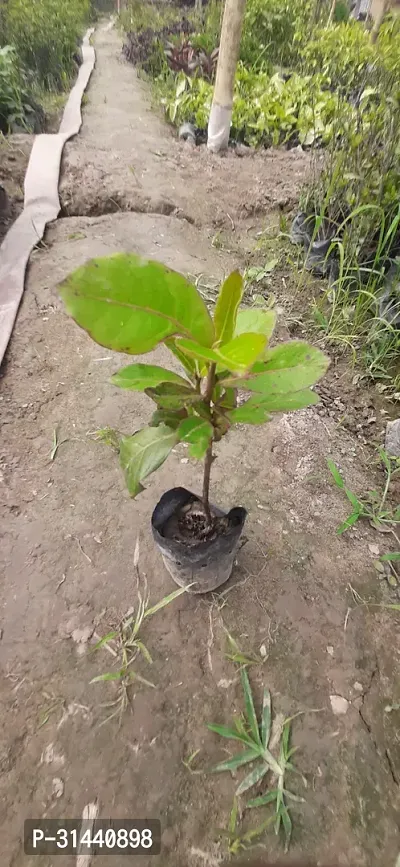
(273, 31)
(266, 110)
(342, 12)
(16, 102)
(341, 53)
(46, 35)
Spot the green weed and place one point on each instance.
(372, 505)
(125, 645)
(259, 740)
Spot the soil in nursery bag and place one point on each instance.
(194, 552)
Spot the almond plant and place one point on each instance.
(131, 305)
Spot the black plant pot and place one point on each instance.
(205, 564)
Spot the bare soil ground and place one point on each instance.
(69, 529)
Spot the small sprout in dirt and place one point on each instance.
(260, 741)
(76, 236)
(131, 305)
(188, 762)
(56, 444)
(109, 437)
(125, 645)
(239, 839)
(236, 655)
(52, 706)
(373, 504)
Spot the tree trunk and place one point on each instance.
(219, 123)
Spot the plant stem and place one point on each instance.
(206, 484)
(209, 455)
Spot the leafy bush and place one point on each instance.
(46, 35)
(271, 31)
(341, 54)
(17, 105)
(266, 110)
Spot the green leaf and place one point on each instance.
(109, 637)
(165, 601)
(355, 502)
(198, 432)
(262, 800)
(245, 414)
(348, 523)
(233, 816)
(229, 298)
(237, 761)
(170, 395)
(266, 718)
(143, 649)
(172, 418)
(252, 778)
(249, 705)
(287, 368)
(137, 377)
(258, 831)
(188, 364)
(257, 321)
(256, 410)
(226, 732)
(109, 675)
(287, 825)
(130, 305)
(335, 473)
(228, 399)
(237, 356)
(143, 453)
(392, 557)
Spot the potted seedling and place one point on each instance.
(131, 305)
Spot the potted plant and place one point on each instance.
(130, 305)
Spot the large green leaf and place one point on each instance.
(140, 376)
(198, 432)
(143, 453)
(255, 320)
(249, 704)
(129, 304)
(237, 356)
(226, 308)
(289, 367)
(188, 364)
(257, 409)
(171, 417)
(171, 395)
(246, 414)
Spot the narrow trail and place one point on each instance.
(69, 529)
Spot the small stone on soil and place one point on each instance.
(58, 787)
(339, 704)
(392, 440)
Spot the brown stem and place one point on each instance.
(206, 484)
(209, 455)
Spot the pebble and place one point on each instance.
(330, 650)
(374, 550)
(58, 787)
(392, 439)
(339, 704)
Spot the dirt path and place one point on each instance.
(68, 534)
